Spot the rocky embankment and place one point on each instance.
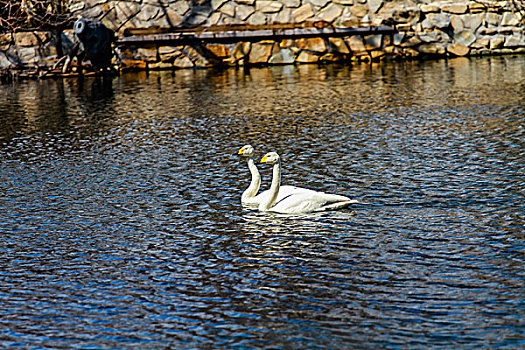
(419, 29)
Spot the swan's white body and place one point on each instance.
(304, 201)
(249, 196)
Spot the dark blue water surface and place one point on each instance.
(121, 224)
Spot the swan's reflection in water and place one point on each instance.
(276, 237)
(304, 224)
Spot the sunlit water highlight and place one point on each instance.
(122, 225)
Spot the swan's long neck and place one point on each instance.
(252, 190)
(274, 188)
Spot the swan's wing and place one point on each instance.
(284, 191)
(337, 205)
(310, 201)
(287, 190)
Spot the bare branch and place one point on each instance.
(18, 15)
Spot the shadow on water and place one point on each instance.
(122, 225)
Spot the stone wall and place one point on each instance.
(437, 28)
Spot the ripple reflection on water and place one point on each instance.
(122, 225)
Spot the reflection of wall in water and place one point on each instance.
(59, 106)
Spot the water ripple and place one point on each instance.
(122, 225)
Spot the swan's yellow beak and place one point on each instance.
(264, 159)
(241, 151)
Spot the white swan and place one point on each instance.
(300, 202)
(249, 196)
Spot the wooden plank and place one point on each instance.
(233, 36)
